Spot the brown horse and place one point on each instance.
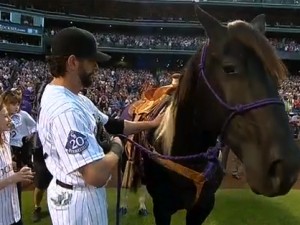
(228, 92)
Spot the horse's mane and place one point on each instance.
(166, 131)
(244, 33)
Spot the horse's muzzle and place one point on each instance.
(281, 175)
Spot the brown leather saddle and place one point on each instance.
(153, 102)
(150, 99)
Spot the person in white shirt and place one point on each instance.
(9, 203)
(22, 129)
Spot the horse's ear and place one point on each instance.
(259, 23)
(214, 29)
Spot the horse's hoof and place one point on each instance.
(143, 212)
(123, 211)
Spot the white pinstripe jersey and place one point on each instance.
(9, 202)
(66, 128)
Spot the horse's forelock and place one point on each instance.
(251, 38)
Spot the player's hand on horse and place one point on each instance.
(156, 122)
(24, 175)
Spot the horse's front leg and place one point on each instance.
(198, 214)
(201, 210)
(162, 213)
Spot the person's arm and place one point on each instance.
(30, 122)
(133, 127)
(24, 175)
(78, 148)
(126, 127)
(91, 173)
(6, 182)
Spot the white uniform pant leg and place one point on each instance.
(86, 206)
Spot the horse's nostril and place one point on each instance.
(275, 169)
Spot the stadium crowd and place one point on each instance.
(113, 89)
(150, 41)
(180, 13)
(175, 42)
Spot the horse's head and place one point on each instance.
(231, 88)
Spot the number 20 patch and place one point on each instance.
(76, 142)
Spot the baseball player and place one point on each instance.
(9, 202)
(67, 129)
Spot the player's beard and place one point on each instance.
(86, 78)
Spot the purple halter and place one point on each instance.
(237, 109)
(211, 155)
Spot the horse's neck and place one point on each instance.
(189, 127)
(192, 141)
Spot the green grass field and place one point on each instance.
(233, 207)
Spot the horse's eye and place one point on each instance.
(229, 69)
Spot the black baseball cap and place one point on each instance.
(78, 42)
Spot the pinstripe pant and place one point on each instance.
(82, 206)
